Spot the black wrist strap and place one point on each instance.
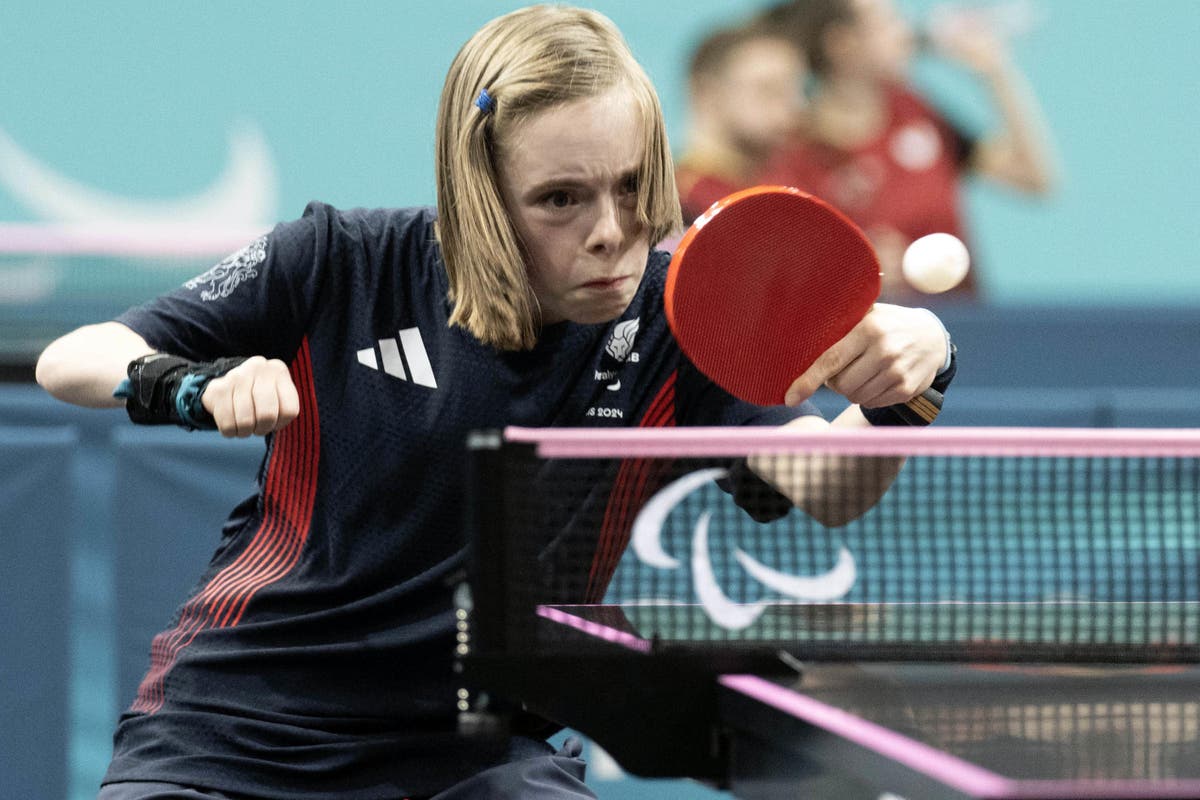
(763, 502)
(942, 381)
(165, 390)
(902, 414)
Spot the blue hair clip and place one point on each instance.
(485, 102)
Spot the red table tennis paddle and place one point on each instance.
(766, 281)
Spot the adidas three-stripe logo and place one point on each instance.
(409, 341)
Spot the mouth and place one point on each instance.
(608, 284)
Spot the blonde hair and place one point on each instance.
(528, 60)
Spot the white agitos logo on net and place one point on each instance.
(729, 614)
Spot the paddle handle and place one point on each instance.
(922, 409)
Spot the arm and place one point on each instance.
(1018, 154)
(891, 356)
(84, 367)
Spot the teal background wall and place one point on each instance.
(139, 99)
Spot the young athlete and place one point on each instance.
(314, 658)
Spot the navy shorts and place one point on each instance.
(533, 771)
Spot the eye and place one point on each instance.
(558, 199)
(631, 184)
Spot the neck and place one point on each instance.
(713, 146)
(849, 110)
(853, 88)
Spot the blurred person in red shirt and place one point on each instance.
(746, 93)
(882, 154)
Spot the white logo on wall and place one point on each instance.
(389, 358)
(647, 544)
(223, 278)
(244, 193)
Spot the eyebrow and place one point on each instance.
(571, 182)
(550, 184)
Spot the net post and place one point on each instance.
(481, 599)
(486, 551)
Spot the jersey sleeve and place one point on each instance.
(257, 301)
(962, 145)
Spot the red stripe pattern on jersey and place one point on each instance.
(637, 479)
(289, 492)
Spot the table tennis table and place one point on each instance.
(1075, 672)
(895, 729)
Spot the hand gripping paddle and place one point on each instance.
(766, 281)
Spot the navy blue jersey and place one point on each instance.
(314, 657)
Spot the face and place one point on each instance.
(568, 176)
(883, 41)
(759, 97)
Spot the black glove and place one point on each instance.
(165, 390)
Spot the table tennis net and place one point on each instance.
(989, 544)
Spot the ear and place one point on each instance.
(839, 42)
(706, 96)
(702, 87)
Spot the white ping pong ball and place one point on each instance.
(936, 263)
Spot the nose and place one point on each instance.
(607, 231)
